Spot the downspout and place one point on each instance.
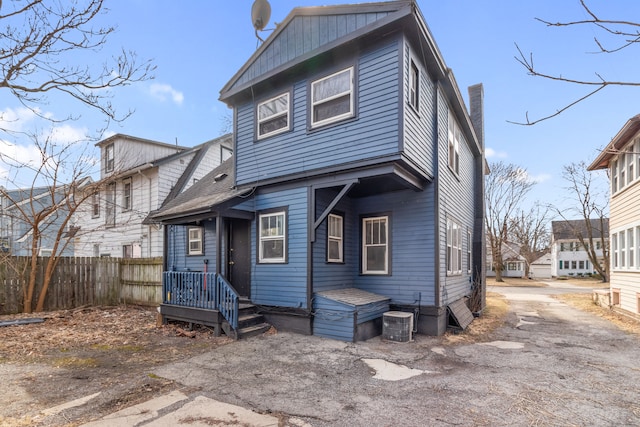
(436, 198)
(312, 231)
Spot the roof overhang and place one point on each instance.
(628, 131)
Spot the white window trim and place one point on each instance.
(414, 85)
(95, 205)
(625, 167)
(625, 257)
(198, 237)
(285, 113)
(127, 196)
(334, 238)
(110, 205)
(366, 246)
(469, 251)
(109, 158)
(350, 92)
(272, 237)
(454, 135)
(454, 248)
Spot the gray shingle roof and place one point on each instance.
(569, 229)
(213, 189)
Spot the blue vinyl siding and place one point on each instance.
(374, 132)
(327, 276)
(176, 255)
(302, 35)
(337, 320)
(412, 246)
(420, 126)
(459, 208)
(283, 285)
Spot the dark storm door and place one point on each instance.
(239, 256)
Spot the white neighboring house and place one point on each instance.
(140, 175)
(568, 256)
(541, 268)
(621, 158)
(514, 263)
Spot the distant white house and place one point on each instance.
(568, 256)
(514, 263)
(621, 158)
(140, 176)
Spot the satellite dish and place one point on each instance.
(260, 14)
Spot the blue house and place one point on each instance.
(356, 185)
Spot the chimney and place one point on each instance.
(476, 107)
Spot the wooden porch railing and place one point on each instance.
(201, 290)
(227, 301)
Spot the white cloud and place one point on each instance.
(542, 177)
(16, 119)
(491, 153)
(164, 91)
(67, 134)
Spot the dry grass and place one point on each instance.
(585, 303)
(481, 328)
(514, 281)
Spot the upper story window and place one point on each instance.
(454, 144)
(375, 245)
(625, 169)
(332, 98)
(95, 205)
(110, 210)
(272, 234)
(126, 194)
(273, 116)
(195, 246)
(335, 243)
(109, 158)
(414, 85)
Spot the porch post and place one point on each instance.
(218, 244)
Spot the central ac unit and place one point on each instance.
(397, 326)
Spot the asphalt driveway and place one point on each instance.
(550, 365)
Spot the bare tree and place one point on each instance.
(531, 230)
(505, 188)
(591, 205)
(41, 46)
(47, 209)
(45, 46)
(625, 34)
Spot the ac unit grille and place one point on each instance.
(397, 326)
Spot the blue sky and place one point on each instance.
(197, 47)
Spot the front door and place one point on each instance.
(239, 256)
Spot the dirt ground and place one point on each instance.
(76, 353)
(114, 350)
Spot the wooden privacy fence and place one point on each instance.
(79, 281)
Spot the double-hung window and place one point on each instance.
(109, 158)
(272, 235)
(194, 244)
(335, 242)
(273, 116)
(469, 250)
(454, 136)
(332, 98)
(126, 195)
(95, 205)
(375, 245)
(414, 85)
(110, 209)
(454, 248)
(614, 244)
